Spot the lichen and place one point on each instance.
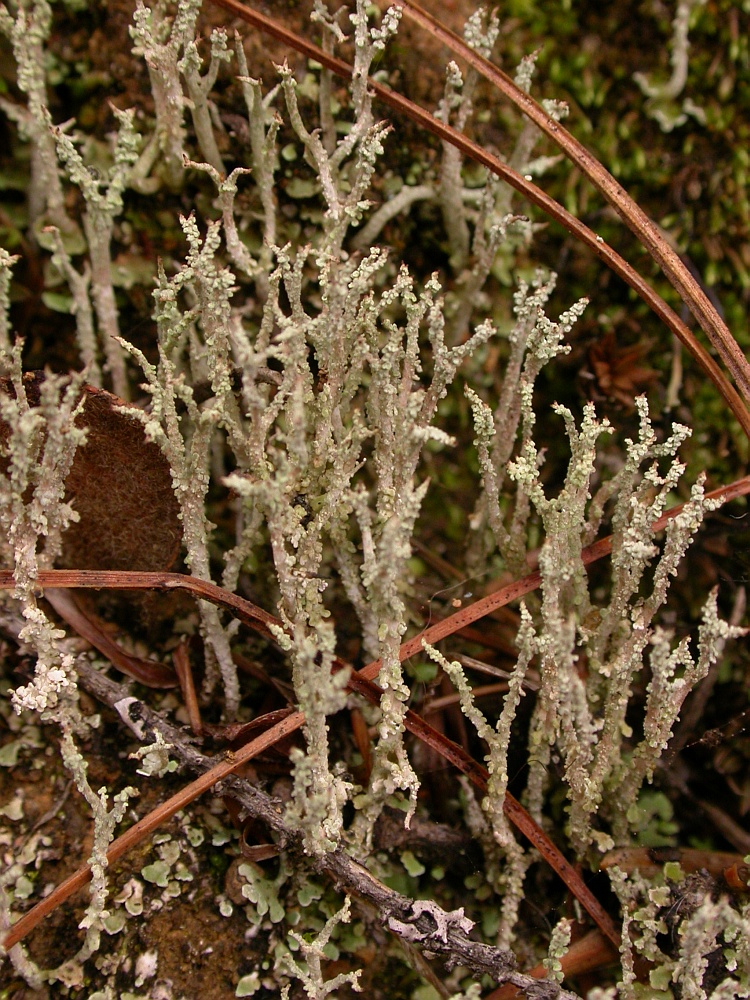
(302, 386)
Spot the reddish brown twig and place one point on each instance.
(260, 620)
(650, 861)
(437, 930)
(693, 293)
(359, 682)
(181, 660)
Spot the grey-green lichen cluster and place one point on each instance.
(327, 363)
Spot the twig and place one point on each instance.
(181, 660)
(136, 833)
(359, 682)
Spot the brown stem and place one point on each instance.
(140, 830)
(181, 660)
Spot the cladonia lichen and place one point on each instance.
(306, 387)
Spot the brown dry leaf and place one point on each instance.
(121, 487)
(618, 370)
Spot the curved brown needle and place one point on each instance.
(629, 211)
(261, 620)
(538, 197)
